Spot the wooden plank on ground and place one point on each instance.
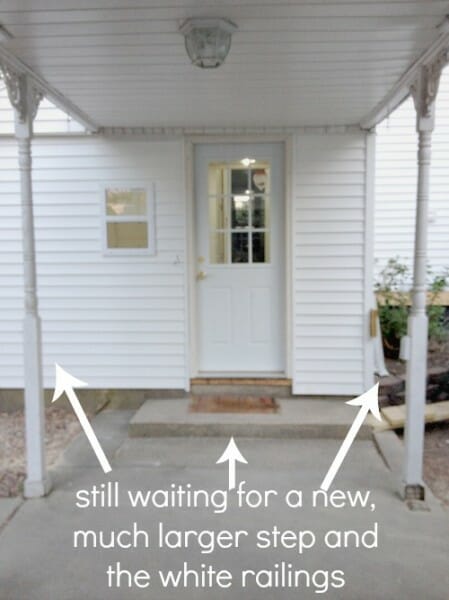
(441, 410)
(395, 415)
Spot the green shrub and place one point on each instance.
(438, 330)
(393, 305)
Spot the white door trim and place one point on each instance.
(190, 142)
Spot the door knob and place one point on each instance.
(201, 275)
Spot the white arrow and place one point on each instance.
(232, 455)
(65, 383)
(368, 401)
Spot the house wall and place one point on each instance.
(117, 322)
(121, 322)
(396, 179)
(330, 264)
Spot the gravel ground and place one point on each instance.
(61, 427)
(436, 460)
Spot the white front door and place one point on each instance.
(240, 259)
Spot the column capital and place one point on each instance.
(424, 91)
(22, 93)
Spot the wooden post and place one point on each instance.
(25, 100)
(424, 92)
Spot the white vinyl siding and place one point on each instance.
(328, 262)
(396, 180)
(120, 322)
(116, 322)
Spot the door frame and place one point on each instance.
(191, 344)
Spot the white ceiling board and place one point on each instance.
(292, 63)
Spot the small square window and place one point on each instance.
(129, 219)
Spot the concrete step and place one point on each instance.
(297, 418)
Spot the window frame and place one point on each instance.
(149, 218)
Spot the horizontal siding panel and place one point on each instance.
(344, 356)
(331, 365)
(331, 273)
(172, 329)
(334, 330)
(101, 292)
(332, 287)
(110, 371)
(96, 305)
(331, 194)
(73, 348)
(330, 389)
(327, 320)
(323, 297)
(320, 204)
(321, 251)
(323, 214)
(12, 378)
(323, 226)
(89, 336)
(330, 342)
(332, 239)
(170, 320)
(328, 308)
(333, 377)
(315, 264)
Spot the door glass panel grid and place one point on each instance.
(239, 221)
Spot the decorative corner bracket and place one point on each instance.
(424, 89)
(23, 95)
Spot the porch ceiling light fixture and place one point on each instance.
(208, 41)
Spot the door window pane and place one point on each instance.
(218, 179)
(240, 211)
(260, 217)
(239, 247)
(218, 213)
(261, 252)
(239, 181)
(260, 181)
(218, 248)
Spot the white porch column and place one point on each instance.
(424, 92)
(25, 100)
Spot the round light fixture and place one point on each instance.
(208, 41)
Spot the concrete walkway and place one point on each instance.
(38, 561)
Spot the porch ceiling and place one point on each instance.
(292, 62)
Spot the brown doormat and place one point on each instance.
(233, 404)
